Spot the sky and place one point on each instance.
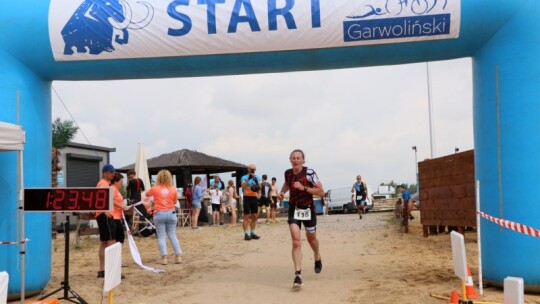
(358, 121)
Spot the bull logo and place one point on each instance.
(95, 22)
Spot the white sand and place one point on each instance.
(364, 261)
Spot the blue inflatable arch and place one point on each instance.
(38, 46)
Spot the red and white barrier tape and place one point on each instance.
(511, 225)
(14, 243)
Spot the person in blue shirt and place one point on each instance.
(196, 204)
(251, 187)
(359, 192)
(407, 202)
(217, 179)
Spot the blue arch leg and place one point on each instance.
(35, 117)
(506, 124)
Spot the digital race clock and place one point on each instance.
(68, 199)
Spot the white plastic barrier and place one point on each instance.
(513, 291)
(4, 280)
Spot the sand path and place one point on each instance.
(364, 261)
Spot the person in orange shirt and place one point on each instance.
(106, 223)
(165, 197)
(119, 207)
(251, 186)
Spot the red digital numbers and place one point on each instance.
(87, 199)
(67, 199)
(101, 199)
(73, 200)
(58, 201)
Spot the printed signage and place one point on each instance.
(117, 29)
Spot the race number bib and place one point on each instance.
(302, 214)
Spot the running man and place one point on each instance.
(302, 183)
(359, 191)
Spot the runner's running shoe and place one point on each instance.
(297, 281)
(318, 266)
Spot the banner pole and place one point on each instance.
(479, 237)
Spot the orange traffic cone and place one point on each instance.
(469, 286)
(454, 297)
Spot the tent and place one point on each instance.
(12, 138)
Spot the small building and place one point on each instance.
(81, 164)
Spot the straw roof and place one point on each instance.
(197, 162)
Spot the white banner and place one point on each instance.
(115, 29)
(135, 251)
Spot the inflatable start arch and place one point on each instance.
(41, 41)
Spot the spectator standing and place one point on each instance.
(165, 198)
(215, 202)
(407, 202)
(264, 199)
(196, 204)
(134, 189)
(251, 187)
(407, 207)
(232, 201)
(119, 207)
(105, 220)
(217, 180)
(273, 200)
(326, 201)
(302, 184)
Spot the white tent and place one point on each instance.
(141, 167)
(12, 138)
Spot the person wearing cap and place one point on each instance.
(105, 220)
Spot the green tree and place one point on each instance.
(62, 132)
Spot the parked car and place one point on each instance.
(341, 199)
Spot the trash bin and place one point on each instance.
(318, 206)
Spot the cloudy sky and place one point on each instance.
(348, 122)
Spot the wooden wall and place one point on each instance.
(447, 190)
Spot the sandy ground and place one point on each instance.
(364, 261)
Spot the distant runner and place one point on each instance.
(359, 191)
